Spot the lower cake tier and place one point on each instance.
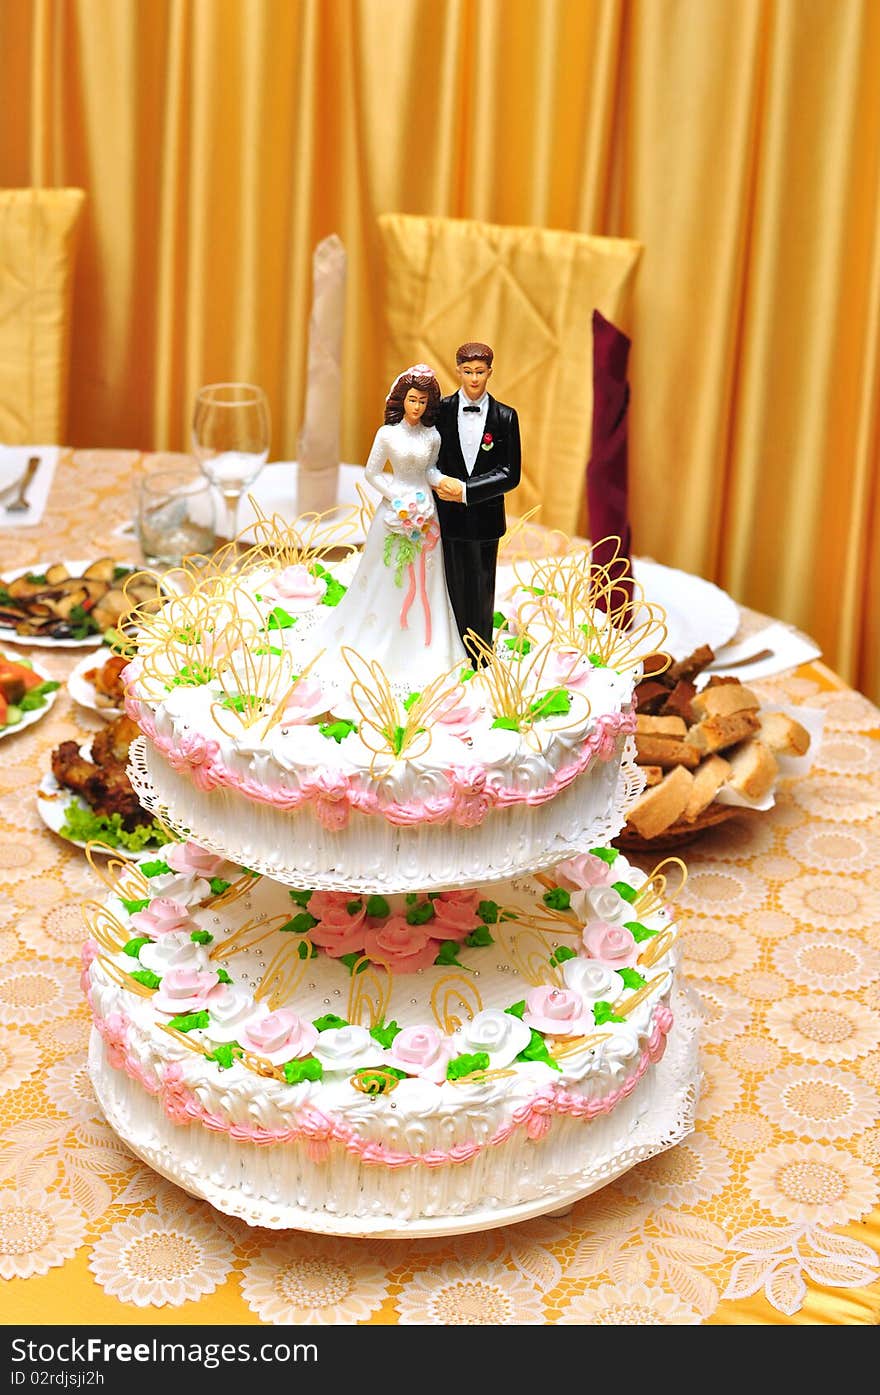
(369, 1061)
(290, 844)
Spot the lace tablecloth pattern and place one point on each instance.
(768, 1214)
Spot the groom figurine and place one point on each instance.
(479, 462)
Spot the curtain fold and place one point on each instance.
(737, 140)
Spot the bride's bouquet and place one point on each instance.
(411, 527)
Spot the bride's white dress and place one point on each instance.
(396, 610)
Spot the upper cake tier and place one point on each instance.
(278, 744)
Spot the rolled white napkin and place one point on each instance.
(318, 455)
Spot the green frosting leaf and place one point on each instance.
(519, 645)
(132, 907)
(155, 868)
(420, 914)
(301, 898)
(225, 1055)
(608, 855)
(384, 1033)
(479, 937)
(134, 946)
(202, 937)
(562, 953)
(190, 1021)
(537, 1051)
(329, 1021)
(410, 700)
(305, 950)
(218, 886)
(337, 731)
(349, 960)
(558, 899)
(295, 1072)
(466, 1065)
(352, 907)
(499, 620)
(300, 924)
(506, 724)
(335, 590)
(556, 703)
(223, 976)
(596, 660)
(378, 906)
(603, 1012)
(638, 931)
(146, 977)
(517, 1009)
(449, 954)
(624, 889)
(631, 978)
(280, 620)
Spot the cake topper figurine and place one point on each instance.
(479, 462)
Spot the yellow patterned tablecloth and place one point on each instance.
(768, 1214)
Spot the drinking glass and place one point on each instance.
(230, 435)
(175, 516)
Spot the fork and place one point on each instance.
(19, 504)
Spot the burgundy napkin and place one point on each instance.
(607, 482)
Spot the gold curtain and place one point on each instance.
(737, 140)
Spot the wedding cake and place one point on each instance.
(387, 971)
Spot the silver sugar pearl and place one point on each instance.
(326, 1002)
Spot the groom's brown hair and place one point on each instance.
(465, 352)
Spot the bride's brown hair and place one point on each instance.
(422, 382)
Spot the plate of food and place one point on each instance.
(95, 682)
(87, 795)
(63, 605)
(26, 693)
(709, 752)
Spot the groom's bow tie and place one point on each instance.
(471, 407)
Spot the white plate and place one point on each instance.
(52, 804)
(697, 611)
(10, 636)
(83, 692)
(30, 717)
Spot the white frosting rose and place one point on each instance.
(602, 903)
(231, 1007)
(174, 951)
(187, 888)
(348, 1049)
(501, 1035)
(595, 982)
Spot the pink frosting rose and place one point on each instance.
(585, 870)
(331, 791)
(471, 800)
(455, 914)
(338, 934)
(163, 916)
(567, 668)
(304, 703)
(296, 588)
(613, 945)
(331, 909)
(558, 1011)
(421, 1051)
(281, 1036)
(198, 757)
(185, 990)
(461, 712)
(403, 947)
(189, 857)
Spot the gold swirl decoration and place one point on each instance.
(370, 992)
(387, 727)
(451, 995)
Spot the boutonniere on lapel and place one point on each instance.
(487, 442)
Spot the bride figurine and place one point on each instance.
(396, 610)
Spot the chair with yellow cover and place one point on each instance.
(38, 240)
(529, 293)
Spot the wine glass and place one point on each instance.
(230, 434)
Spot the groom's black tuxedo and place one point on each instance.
(470, 531)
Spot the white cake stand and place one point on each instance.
(658, 1114)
